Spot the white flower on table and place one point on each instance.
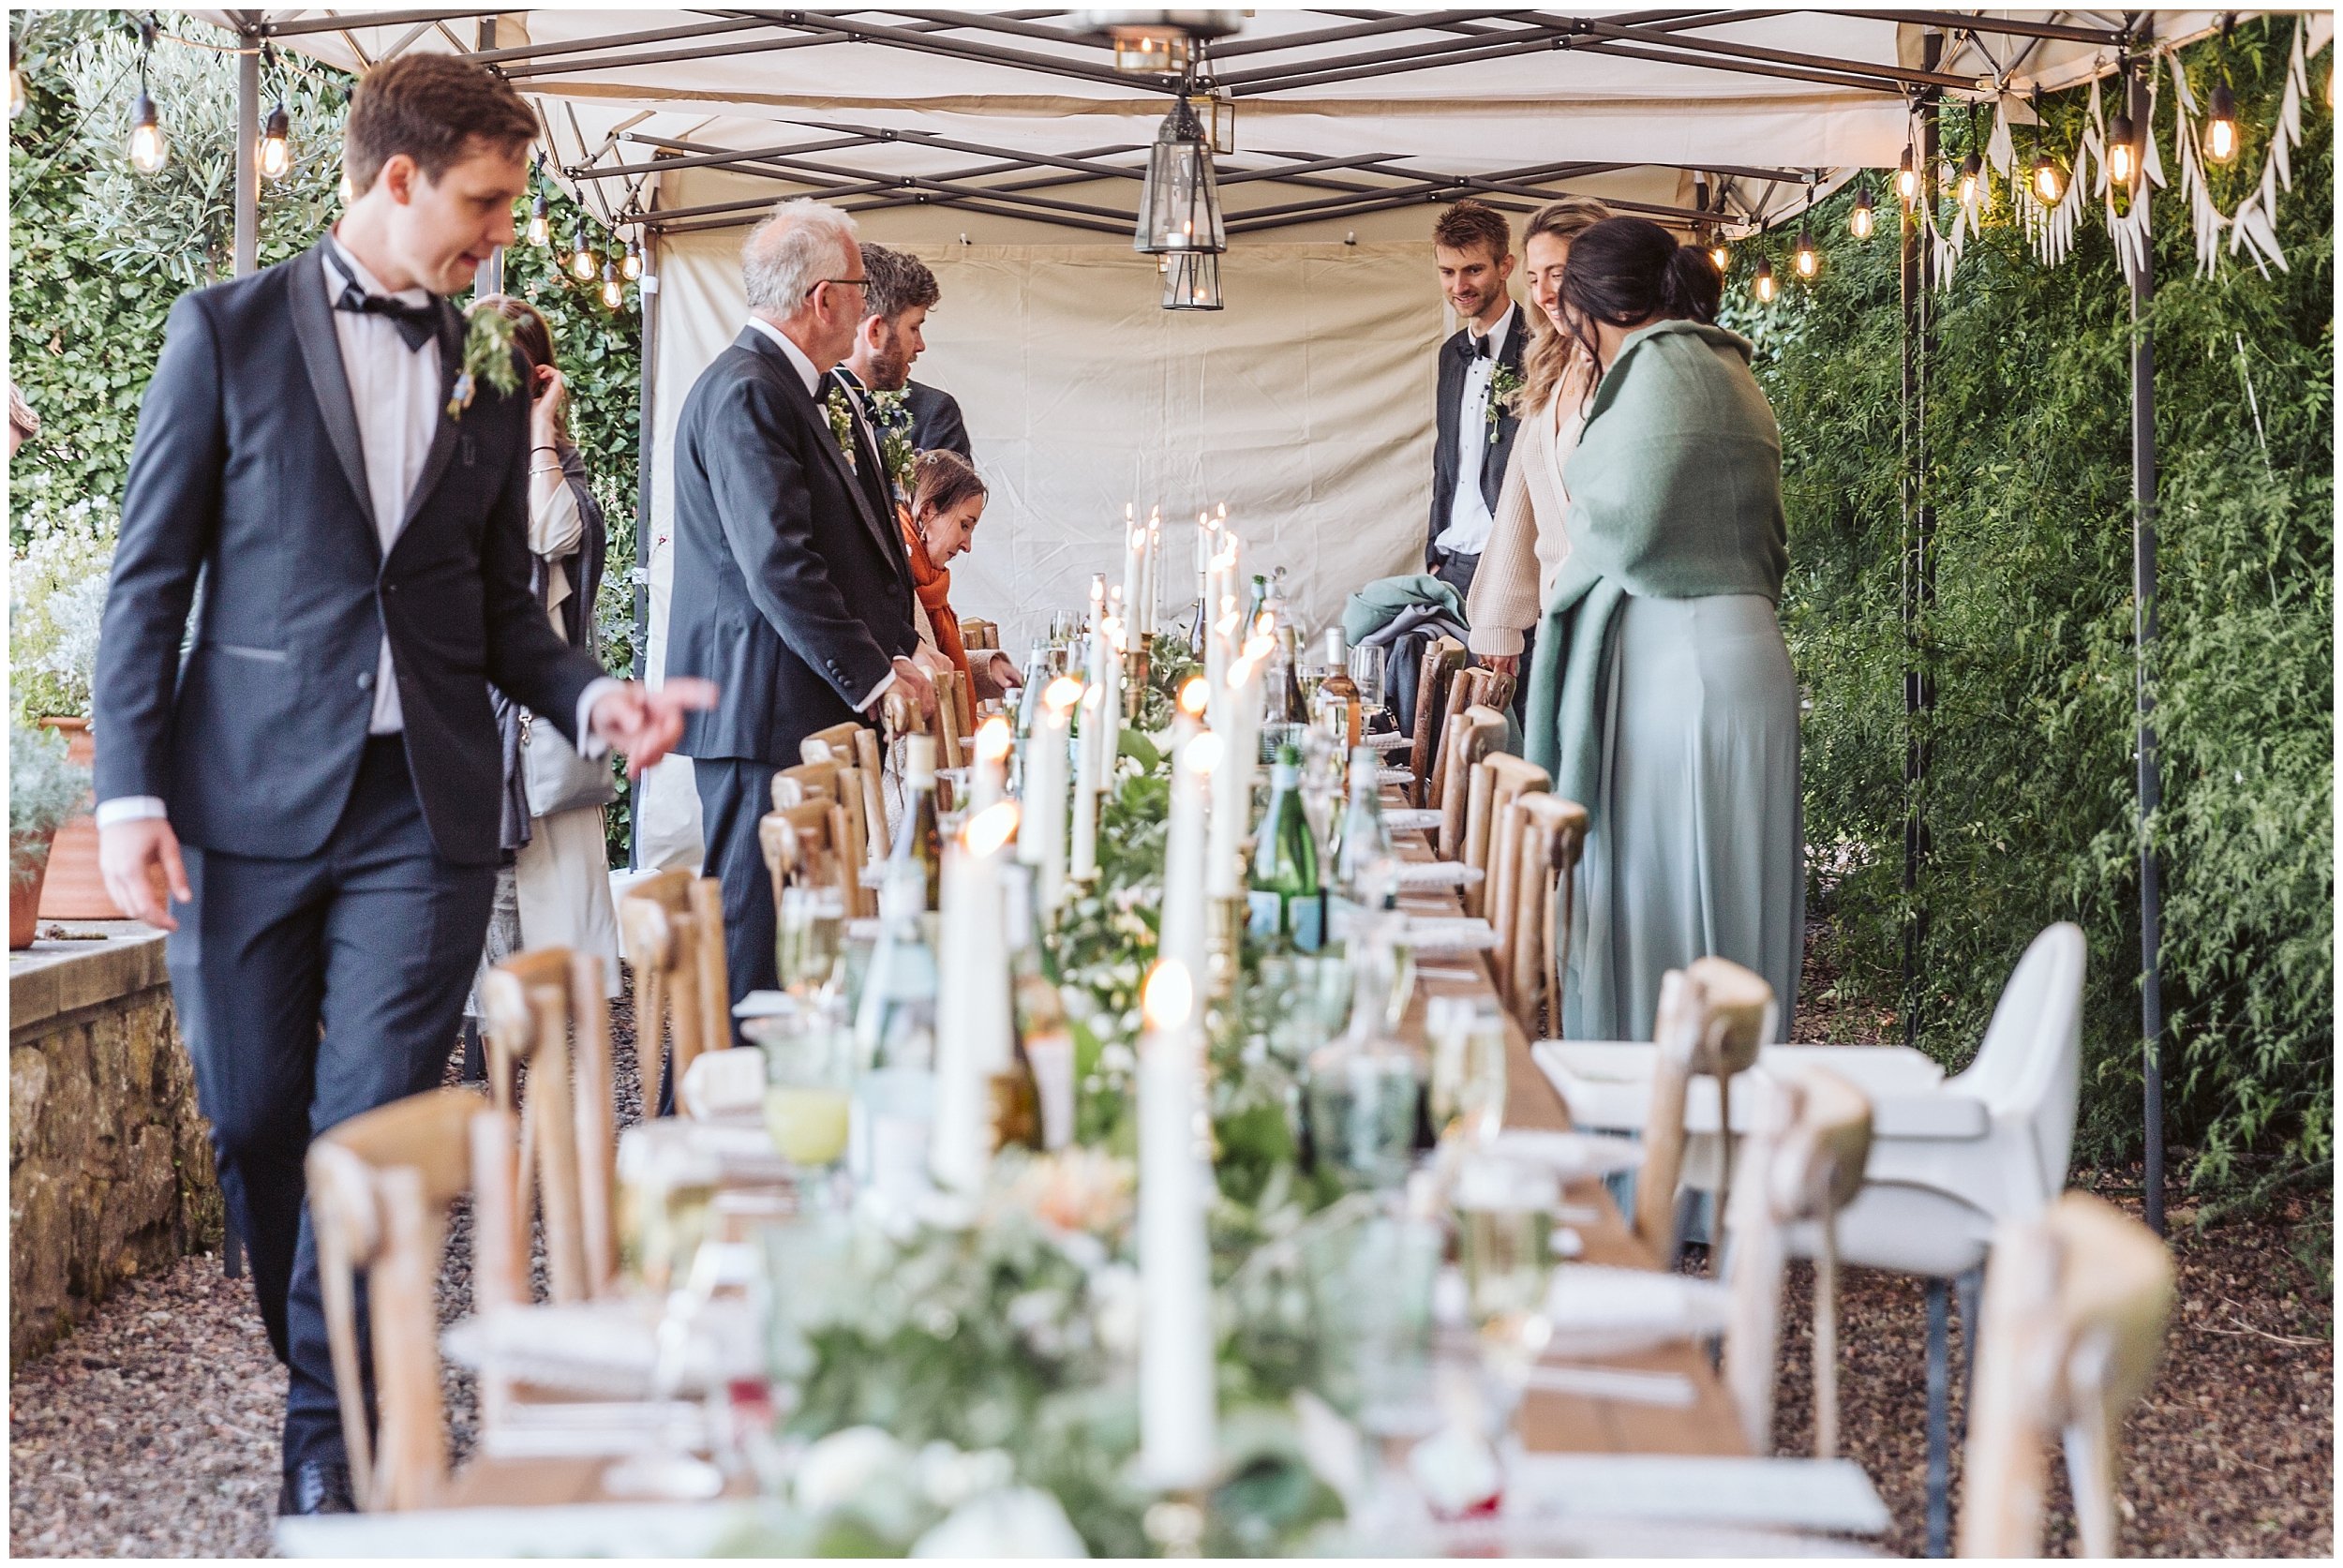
(949, 1477)
(837, 1470)
(1022, 1521)
(1114, 1288)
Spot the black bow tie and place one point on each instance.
(416, 324)
(1480, 347)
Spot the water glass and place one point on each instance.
(1362, 1111)
(1504, 1230)
(809, 932)
(1468, 1088)
(1370, 1278)
(809, 1088)
(666, 1201)
(1367, 669)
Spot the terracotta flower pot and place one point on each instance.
(73, 889)
(24, 896)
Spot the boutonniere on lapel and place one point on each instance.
(1503, 382)
(841, 413)
(890, 414)
(487, 357)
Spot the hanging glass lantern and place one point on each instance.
(1192, 282)
(1159, 43)
(1179, 206)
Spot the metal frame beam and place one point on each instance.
(301, 25)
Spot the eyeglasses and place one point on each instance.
(862, 283)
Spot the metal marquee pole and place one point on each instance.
(2143, 281)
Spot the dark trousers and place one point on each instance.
(735, 795)
(1456, 570)
(308, 990)
(1521, 681)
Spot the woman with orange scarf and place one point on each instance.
(946, 501)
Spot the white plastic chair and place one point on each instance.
(1949, 1160)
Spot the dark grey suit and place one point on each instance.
(792, 592)
(1456, 355)
(342, 881)
(935, 422)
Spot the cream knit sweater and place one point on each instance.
(1527, 548)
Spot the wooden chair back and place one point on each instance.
(1498, 780)
(1471, 734)
(806, 782)
(673, 925)
(2076, 1305)
(1804, 1163)
(1441, 659)
(857, 790)
(1711, 1019)
(976, 633)
(801, 849)
(834, 745)
(379, 1189)
(952, 723)
(545, 1011)
(1550, 834)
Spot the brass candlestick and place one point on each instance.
(1224, 938)
(1135, 664)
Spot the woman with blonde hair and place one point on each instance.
(1526, 551)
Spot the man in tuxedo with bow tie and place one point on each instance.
(1472, 248)
(315, 781)
(791, 585)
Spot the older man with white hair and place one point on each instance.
(792, 590)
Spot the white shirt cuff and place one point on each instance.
(129, 807)
(876, 691)
(590, 745)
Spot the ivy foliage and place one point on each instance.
(2030, 789)
(99, 252)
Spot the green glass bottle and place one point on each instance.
(1287, 902)
(921, 839)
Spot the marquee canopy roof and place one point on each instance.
(1337, 115)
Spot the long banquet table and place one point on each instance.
(555, 1507)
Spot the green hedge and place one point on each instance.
(2031, 794)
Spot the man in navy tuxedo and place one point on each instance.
(315, 782)
(1472, 248)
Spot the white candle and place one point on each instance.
(1086, 864)
(1194, 759)
(973, 992)
(988, 783)
(1178, 1407)
(1232, 779)
(1111, 704)
(1041, 840)
(1155, 573)
(1134, 570)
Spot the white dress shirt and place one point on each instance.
(1469, 520)
(394, 391)
(803, 363)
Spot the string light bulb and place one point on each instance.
(149, 149)
(1805, 258)
(1859, 218)
(1908, 180)
(275, 154)
(1721, 254)
(631, 264)
(2220, 126)
(1972, 179)
(2123, 151)
(1764, 281)
(581, 259)
(539, 224)
(2049, 183)
(613, 292)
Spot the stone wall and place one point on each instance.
(110, 1162)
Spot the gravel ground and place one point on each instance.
(152, 1430)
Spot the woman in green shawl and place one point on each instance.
(1662, 695)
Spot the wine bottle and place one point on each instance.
(893, 1111)
(919, 840)
(1364, 1095)
(1286, 905)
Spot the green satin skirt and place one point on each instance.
(1696, 841)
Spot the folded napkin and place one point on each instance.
(1441, 873)
(723, 1083)
(1598, 1309)
(1394, 775)
(1411, 819)
(607, 1350)
(1570, 1155)
(1448, 933)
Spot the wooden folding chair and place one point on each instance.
(1805, 1158)
(859, 794)
(1550, 836)
(378, 1189)
(1441, 659)
(1498, 780)
(673, 928)
(545, 1011)
(806, 782)
(2076, 1303)
(801, 845)
(951, 719)
(979, 634)
(1471, 734)
(1712, 1015)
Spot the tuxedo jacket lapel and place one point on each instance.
(322, 356)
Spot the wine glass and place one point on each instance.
(809, 933)
(809, 1092)
(1505, 1249)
